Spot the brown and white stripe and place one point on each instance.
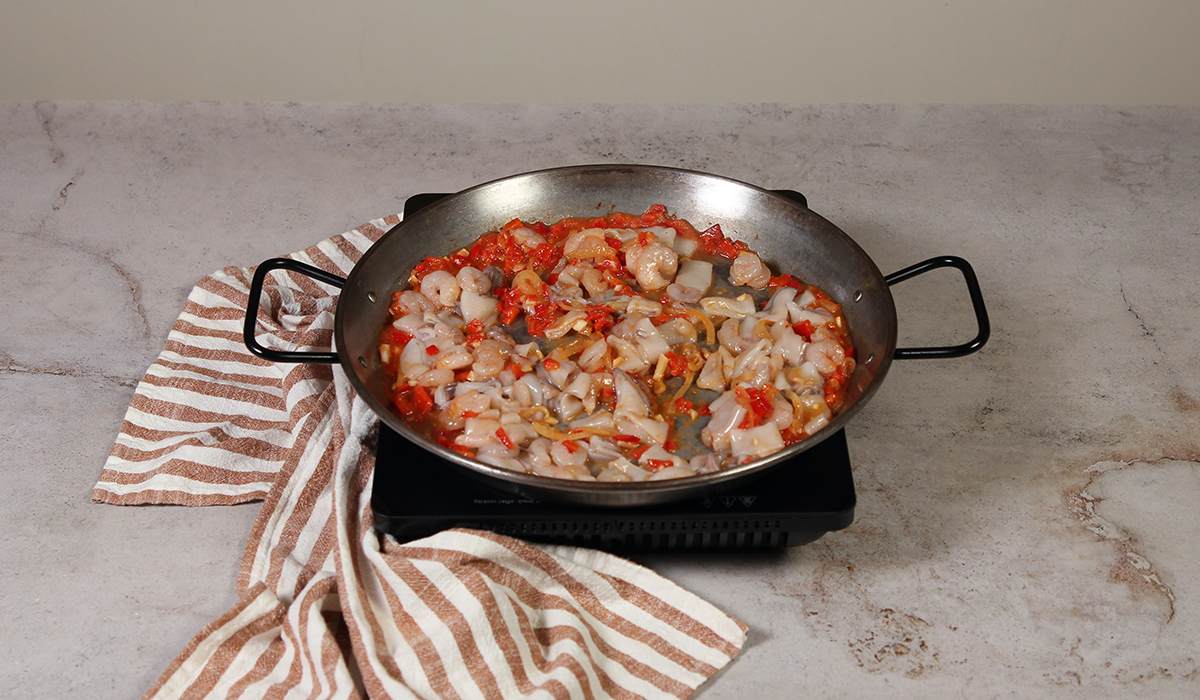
(326, 607)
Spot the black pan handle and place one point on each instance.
(981, 317)
(256, 288)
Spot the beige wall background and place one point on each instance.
(797, 51)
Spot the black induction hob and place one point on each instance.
(416, 494)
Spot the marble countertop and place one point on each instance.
(1027, 519)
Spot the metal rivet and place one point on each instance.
(363, 361)
(870, 358)
(858, 295)
(372, 298)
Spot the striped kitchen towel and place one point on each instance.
(327, 608)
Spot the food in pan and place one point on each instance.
(616, 348)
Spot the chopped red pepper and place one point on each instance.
(428, 265)
(622, 220)
(504, 439)
(551, 363)
(398, 337)
(414, 403)
(474, 333)
(676, 365)
(784, 280)
(571, 446)
(655, 215)
(545, 257)
(804, 329)
(542, 316)
(657, 464)
(431, 350)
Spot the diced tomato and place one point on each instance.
(431, 350)
(670, 446)
(515, 368)
(704, 410)
(684, 405)
(551, 363)
(804, 329)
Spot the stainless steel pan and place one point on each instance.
(787, 235)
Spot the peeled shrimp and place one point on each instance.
(827, 355)
(653, 265)
(490, 358)
(748, 270)
(588, 243)
(441, 287)
(474, 280)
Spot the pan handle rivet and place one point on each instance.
(870, 358)
(372, 298)
(363, 361)
(857, 295)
